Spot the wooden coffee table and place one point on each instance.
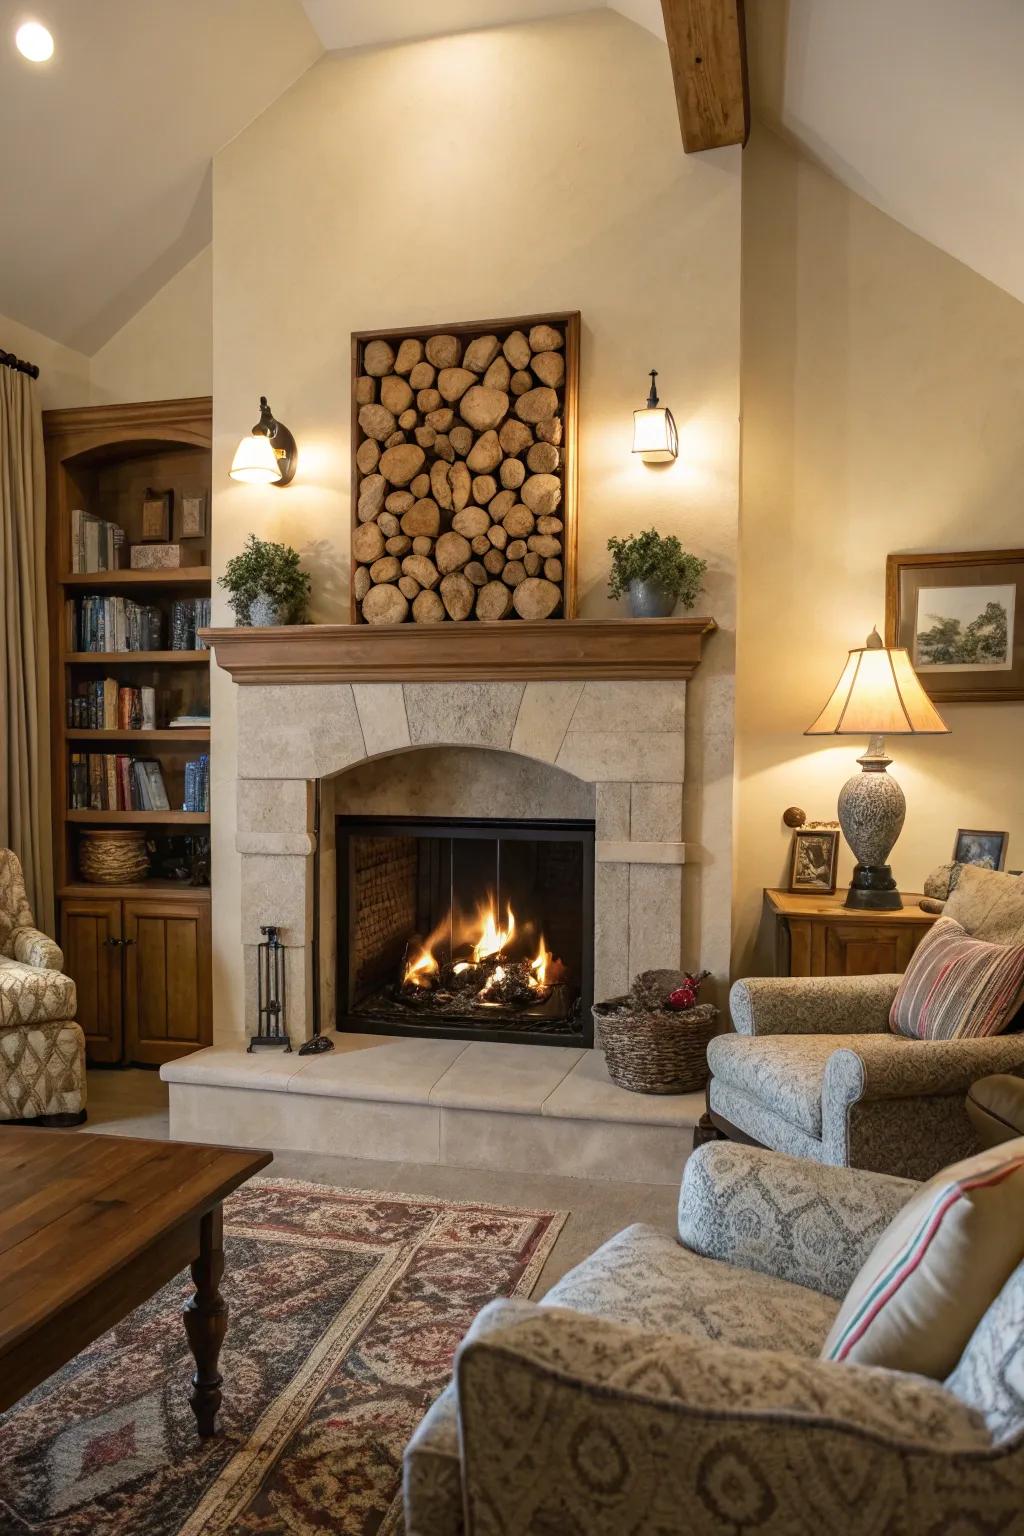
(90, 1227)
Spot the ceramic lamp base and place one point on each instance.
(871, 812)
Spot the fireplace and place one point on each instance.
(466, 928)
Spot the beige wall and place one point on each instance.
(497, 173)
(882, 411)
(63, 372)
(164, 352)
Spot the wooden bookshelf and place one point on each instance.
(136, 658)
(140, 818)
(139, 738)
(139, 952)
(189, 577)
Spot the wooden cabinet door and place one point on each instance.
(90, 931)
(869, 949)
(167, 979)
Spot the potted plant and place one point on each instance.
(266, 585)
(654, 573)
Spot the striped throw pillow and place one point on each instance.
(958, 988)
(937, 1268)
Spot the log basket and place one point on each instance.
(655, 1049)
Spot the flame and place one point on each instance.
(419, 969)
(423, 969)
(539, 965)
(493, 939)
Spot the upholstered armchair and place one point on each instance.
(814, 1070)
(671, 1386)
(42, 1049)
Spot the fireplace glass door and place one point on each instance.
(469, 929)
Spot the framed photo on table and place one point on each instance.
(986, 849)
(812, 867)
(961, 617)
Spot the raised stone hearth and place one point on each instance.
(576, 719)
(518, 1107)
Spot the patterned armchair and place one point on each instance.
(662, 1388)
(814, 1070)
(42, 1049)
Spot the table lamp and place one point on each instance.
(878, 695)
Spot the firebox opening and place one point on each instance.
(469, 929)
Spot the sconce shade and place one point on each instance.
(268, 456)
(654, 430)
(655, 435)
(255, 461)
(878, 694)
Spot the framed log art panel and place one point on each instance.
(961, 617)
(464, 471)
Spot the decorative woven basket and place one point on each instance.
(662, 1052)
(109, 857)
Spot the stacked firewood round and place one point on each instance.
(460, 459)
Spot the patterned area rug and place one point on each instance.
(346, 1308)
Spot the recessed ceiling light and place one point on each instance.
(34, 42)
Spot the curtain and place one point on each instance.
(24, 681)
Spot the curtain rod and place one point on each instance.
(8, 360)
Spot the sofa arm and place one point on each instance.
(34, 948)
(920, 1069)
(812, 1005)
(575, 1423)
(783, 1216)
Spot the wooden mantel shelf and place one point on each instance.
(559, 649)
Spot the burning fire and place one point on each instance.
(493, 939)
(489, 942)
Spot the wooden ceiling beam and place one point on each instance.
(707, 51)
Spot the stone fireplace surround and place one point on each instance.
(605, 746)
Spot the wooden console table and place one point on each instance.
(818, 936)
(90, 1227)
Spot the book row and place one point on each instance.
(111, 781)
(119, 624)
(96, 543)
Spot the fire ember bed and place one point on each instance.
(466, 928)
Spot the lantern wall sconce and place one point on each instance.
(268, 454)
(655, 437)
(272, 1023)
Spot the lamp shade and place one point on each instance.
(655, 435)
(255, 461)
(878, 694)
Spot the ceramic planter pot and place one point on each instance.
(264, 611)
(648, 600)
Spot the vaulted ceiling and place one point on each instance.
(917, 105)
(105, 172)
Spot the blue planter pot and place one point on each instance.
(648, 600)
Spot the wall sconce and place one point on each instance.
(268, 454)
(654, 430)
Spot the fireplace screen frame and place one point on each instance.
(519, 829)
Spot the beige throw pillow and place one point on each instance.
(937, 1269)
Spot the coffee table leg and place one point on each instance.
(206, 1321)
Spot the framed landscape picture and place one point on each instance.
(961, 617)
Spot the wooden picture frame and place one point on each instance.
(155, 523)
(192, 516)
(973, 648)
(985, 849)
(813, 860)
(568, 324)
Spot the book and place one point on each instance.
(148, 706)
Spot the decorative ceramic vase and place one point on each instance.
(650, 600)
(264, 611)
(871, 811)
